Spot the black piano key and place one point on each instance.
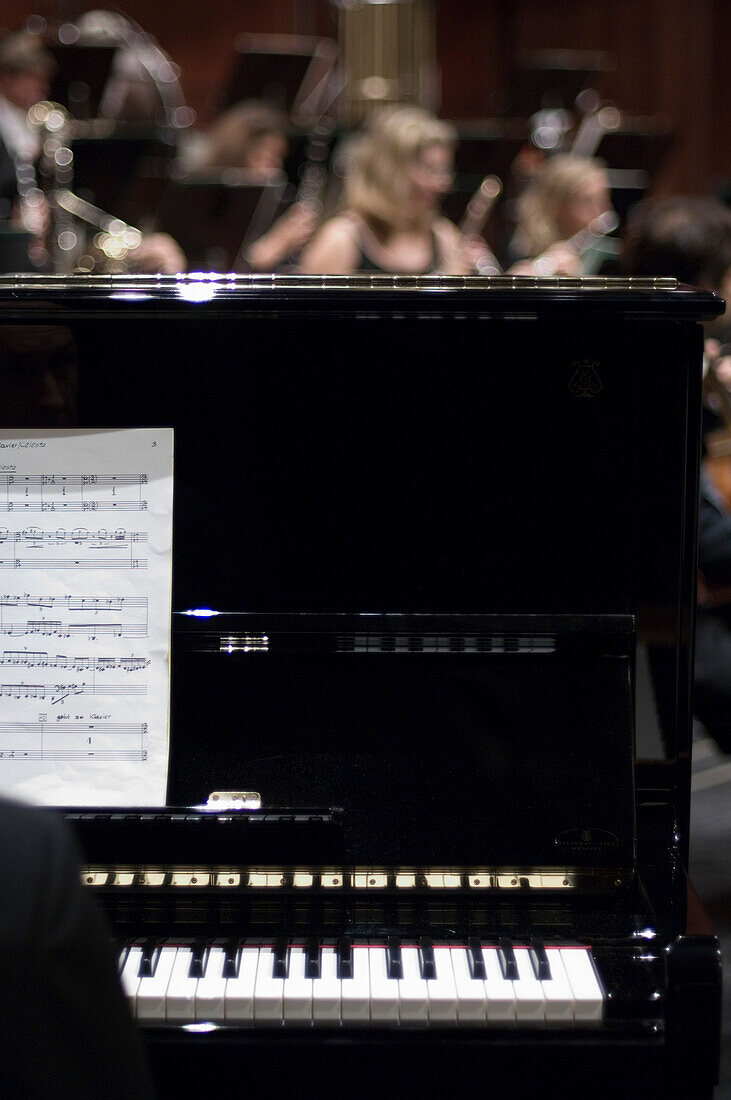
(231, 958)
(345, 958)
(394, 962)
(312, 959)
(539, 961)
(150, 955)
(281, 957)
(427, 965)
(507, 960)
(475, 960)
(199, 958)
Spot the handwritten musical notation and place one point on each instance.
(33, 548)
(49, 492)
(57, 693)
(41, 659)
(34, 741)
(87, 714)
(120, 616)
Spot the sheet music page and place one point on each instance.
(86, 575)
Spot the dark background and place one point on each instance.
(671, 56)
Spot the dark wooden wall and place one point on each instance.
(672, 55)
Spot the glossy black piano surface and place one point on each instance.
(449, 529)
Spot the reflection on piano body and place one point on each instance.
(433, 590)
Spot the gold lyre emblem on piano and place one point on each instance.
(585, 381)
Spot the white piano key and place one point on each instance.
(210, 994)
(326, 992)
(498, 990)
(297, 989)
(529, 1000)
(384, 990)
(442, 990)
(355, 992)
(180, 997)
(558, 993)
(239, 996)
(152, 991)
(130, 977)
(412, 992)
(471, 996)
(268, 991)
(588, 995)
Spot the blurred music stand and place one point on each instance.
(485, 147)
(289, 70)
(122, 168)
(14, 244)
(541, 79)
(638, 144)
(214, 219)
(81, 76)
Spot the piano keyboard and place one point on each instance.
(377, 983)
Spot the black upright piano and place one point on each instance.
(439, 538)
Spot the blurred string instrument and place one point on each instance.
(69, 247)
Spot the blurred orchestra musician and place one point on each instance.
(65, 1029)
(690, 239)
(26, 69)
(567, 195)
(391, 221)
(252, 137)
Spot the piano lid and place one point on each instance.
(427, 294)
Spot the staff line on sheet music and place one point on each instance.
(71, 493)
(97, 605)
(66, 493)
(75, 563)
(76, 603)
(55, 627)
(73, 754)
(34, 539)
(73, 481)
(41, 659)
(58, 693)
(73, 506)
(118, 537)
(137, 729)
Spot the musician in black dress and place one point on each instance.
(391, 222)
(65, 1029)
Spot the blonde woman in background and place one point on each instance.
(565, 196)
(390, 222)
